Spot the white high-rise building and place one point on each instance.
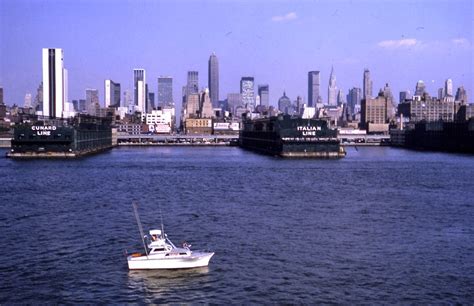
(28, 101)
(247, 92)
(448, 88)
(54, 83)
(140, 95)
(332, 89)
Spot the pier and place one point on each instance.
(176, 140)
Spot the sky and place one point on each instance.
(276, 42)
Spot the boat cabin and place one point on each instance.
(161, 245)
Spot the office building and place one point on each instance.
(192, 106)
(127, 99)
(374, 111)
(332, 89)
(461, 95)
(284, 104)
(353, 100)
(192, 85)
(420, 88)
(151, 101)
(404, 96)
(206, 110)
(92, 100)
(165, 91)
(140, 96)
(313, 88)
(367, 85)
(213, 78)
(247, 92)
(234, 100)
(264, 94)
(448, 88)
(28, 101)
(112, 94)
(54, 83)
(341, 99)
(3, 107)
(430, 109)
(441, 93)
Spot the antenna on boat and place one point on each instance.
(162, 226)
(137, 217)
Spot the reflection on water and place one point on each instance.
(161, 285)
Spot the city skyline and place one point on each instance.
(282, 61)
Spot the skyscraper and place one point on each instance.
(112, 93)
(420, 88)
(139, 83)
(3, 107)
(441, 93)
(247, 91)
(92, 100)
(405, 95)
(367, 86)
(213, 78)
(313, 88)
(264, 93)
(151, 101)
(28, 101)
(234, 100)
(192, 86)
(165, 91)
(448, 88)
(332, 89)
(354, 98)
(461, 95)
(388, 92)
(206, 105)
(284, 104)
(38, 104)
(53, 82)
(341, 99)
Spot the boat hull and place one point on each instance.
(196, 259)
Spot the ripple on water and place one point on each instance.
(380, 225)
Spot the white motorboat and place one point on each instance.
(163, 254)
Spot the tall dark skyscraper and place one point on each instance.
(165, 91)
(461, 95)
(264, 93)
(3, 108)
(192, 86)
(112, 93)
(54, 83)
(213, 78)
(151, 101)
(405, 95)
(367, 85)
(353, 99)
(313, 88)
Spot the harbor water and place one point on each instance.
(381, 225)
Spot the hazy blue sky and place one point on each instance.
(277, 42)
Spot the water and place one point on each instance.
(381, 225)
